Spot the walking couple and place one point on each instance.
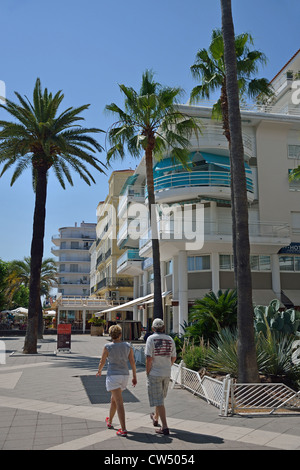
(160, 354)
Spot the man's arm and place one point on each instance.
(148, 364)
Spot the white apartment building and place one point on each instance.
(190, 268)
(72, 246)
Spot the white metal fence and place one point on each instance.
(264, 398)
(231, 397)
(214, 391)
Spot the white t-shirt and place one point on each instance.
(161, 348)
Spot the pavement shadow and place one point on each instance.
(96, 390)
(185, 436)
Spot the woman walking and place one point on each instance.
(118, 353)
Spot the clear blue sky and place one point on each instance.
(86, 49)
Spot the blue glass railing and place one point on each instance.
(196, 178)
(129, 255)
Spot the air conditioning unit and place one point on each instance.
(114, 295)
(107, 295)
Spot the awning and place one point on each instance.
(293, 295)
(164, 294)
(263, 296)
(124, 306)
(221, 160)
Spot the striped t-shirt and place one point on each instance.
(161, 348)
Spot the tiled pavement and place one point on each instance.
(52, 401)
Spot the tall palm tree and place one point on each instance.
(40, 138)
(247, 362)
(151, 123)
(209, 69)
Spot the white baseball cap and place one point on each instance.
(158, 323)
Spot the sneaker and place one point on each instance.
(121, 433)
(108, 423)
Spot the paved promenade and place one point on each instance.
(52, 401)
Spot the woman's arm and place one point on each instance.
(102, 362)
(133, 367)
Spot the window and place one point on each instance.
(169, 267)
(198, 263)
(257, 262)
(74, 268)
(294, 151)
(264, 263)
(289, 263)
(225, 262)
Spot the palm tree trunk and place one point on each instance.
(37, 248)
(225, 119)
(247, 362)
(157, 306)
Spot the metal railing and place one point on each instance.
(196, 179)
(214, 391)
(263, 398)
(229, 397)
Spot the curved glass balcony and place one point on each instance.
(197, 178)
(206, 170)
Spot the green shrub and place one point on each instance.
(194, 356)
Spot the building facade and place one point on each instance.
(197, 260)
(107, 283)
(71, 247)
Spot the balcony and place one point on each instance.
(130, 262)
(209, 176)
(131, 194)
(129, 232)
(113, 282)
(271, 234)
(188, 185)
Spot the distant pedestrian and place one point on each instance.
(160, 354)
(118, 353)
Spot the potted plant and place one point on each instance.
(97, 326)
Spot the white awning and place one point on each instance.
(263, 296)
(293, 295)
(139, 300)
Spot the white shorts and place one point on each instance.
(116, 381)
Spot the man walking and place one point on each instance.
(160, 354)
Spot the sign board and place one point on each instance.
(292, 248)
(64, 337)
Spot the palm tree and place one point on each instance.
(151, 123)
(247, 362)
(19, 275)
(40, 139)
(209, 69)
(214, 312)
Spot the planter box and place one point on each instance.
(97, 330)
